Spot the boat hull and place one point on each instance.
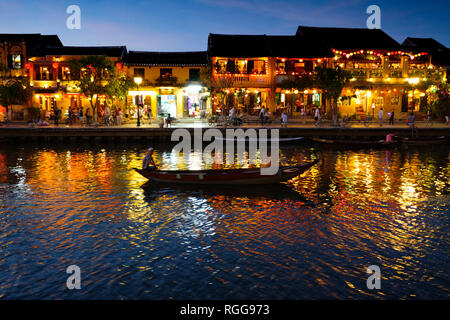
(225, 176)
(268, 140)
(356, 143)
(424, 141)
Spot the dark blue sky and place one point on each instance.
(184, 25)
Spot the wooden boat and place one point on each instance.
(356, 143)
(424, 141)
(225, 176)
(267, 140)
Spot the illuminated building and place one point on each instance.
(171, 83)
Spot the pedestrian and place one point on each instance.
(149, 115)
(262, 114)
(88, 116)
(411, 119)
(80, 116)
(284, 119)
(57, 112)
(107, 115)
(380, 116)
(317, 116)
(119, 117)
(391, 118)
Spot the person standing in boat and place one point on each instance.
(148, 163)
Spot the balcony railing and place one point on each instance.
(245, 79)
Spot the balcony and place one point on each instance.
(166, 81)
(244, 80)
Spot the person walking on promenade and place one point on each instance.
(380, 116)
(80, 116)
(284, 119)
(88, 116)
(391, 118)
(262, 115)
(411, 119)
(317, 116)
(57, 113)
(119, 117)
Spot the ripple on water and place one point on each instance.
(313, 237)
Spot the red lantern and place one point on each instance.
(28, 66)
(55, 65)
(119, 65)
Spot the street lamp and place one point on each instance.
(138, 81)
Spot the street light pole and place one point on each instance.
(138, 81)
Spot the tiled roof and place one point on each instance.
(190, 58)
(221, 45)
(350, 38)
(113, 51)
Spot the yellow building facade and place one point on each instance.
(168, 83)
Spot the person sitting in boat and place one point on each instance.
(148, 163)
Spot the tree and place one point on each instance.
(14, 92)
(91, 74)
(220, 84)
(117, 88)
(441, 106)
(4, 70)
(331, 81)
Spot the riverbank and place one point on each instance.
(23, 133)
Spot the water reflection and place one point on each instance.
(312, 237)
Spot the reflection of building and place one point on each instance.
(52, 81)
(384, 73)
(250, 70)
(170, 82)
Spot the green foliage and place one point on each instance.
(34, 112)
(117, 87)
(92, 74)
(14, 92)
(331, 81)
(441, 107)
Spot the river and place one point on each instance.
(310, 238)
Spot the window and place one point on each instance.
(16, 61)
(194, 74)
(139, 73)
(165, 72)
(44, 73)
(65, 73)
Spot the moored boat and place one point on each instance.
(356, 143)
(424, 141)
(267, 140)
(225, 176)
